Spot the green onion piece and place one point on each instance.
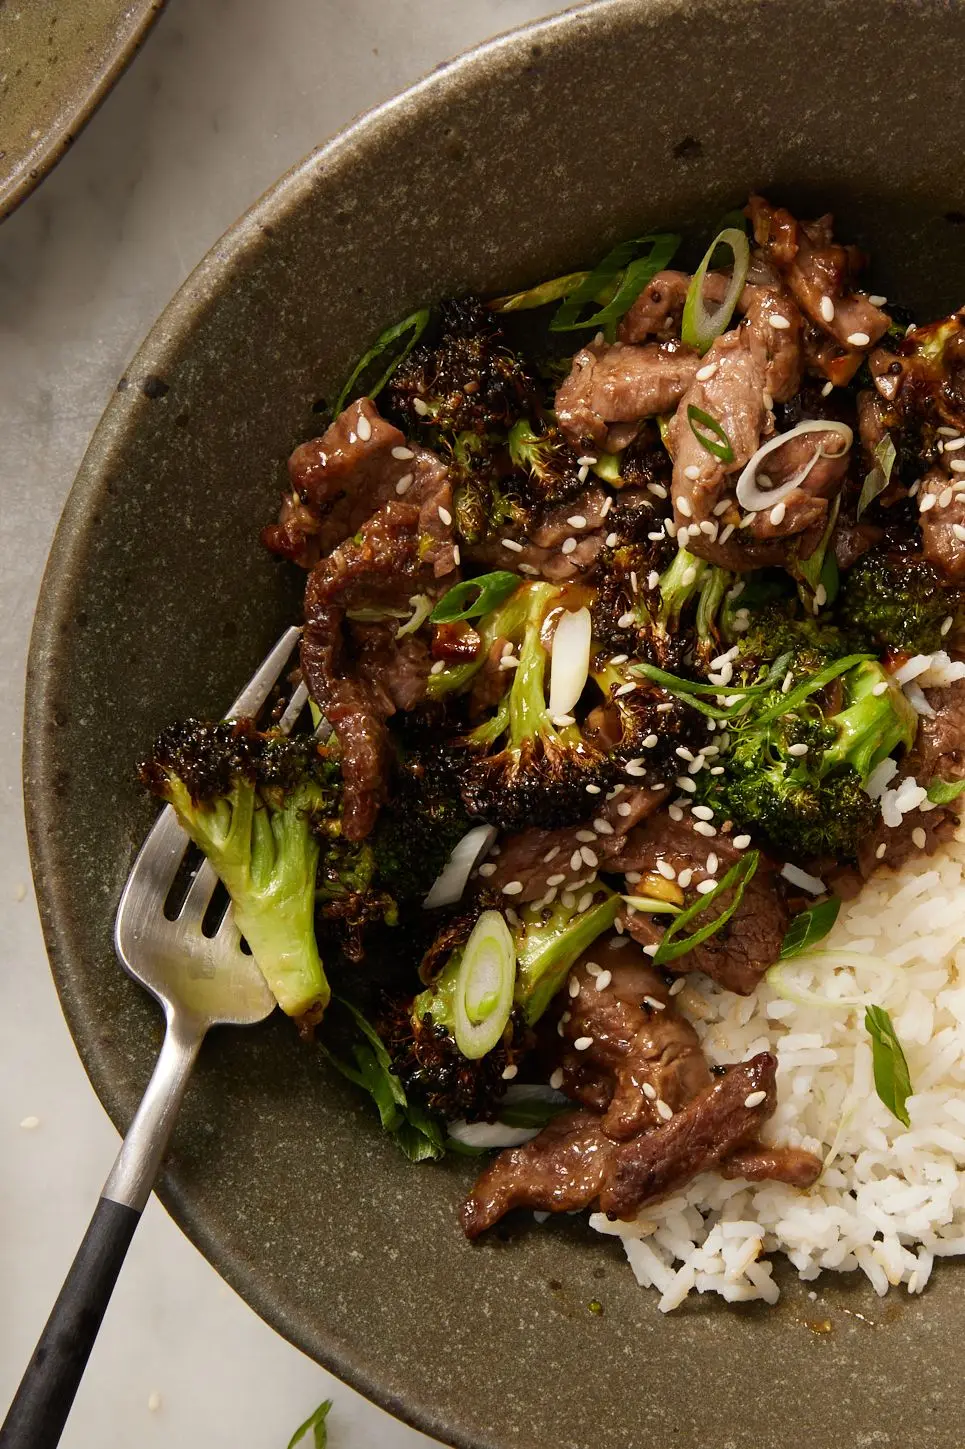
(810, 686)
(810, 926)
(474, 597)
(822, 566)
(531, 1111)
(942, 792)
(652, 905)
(626, 272)
(483, 995)
(878, 479)
(700, 326)
(718, 443)
(551, 291)
(316, 1423)
(406, 334)
(675, 685)
(737, 879)
(892, 1078)
(421, 610)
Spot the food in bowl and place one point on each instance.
(626, 822)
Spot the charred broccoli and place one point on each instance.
(540, 772)
(897, 601)
(250, 801)
(548, 465)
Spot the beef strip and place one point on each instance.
(612, 387)
(739, 953)
(773, 1164)
(851, 539)
(940, 742)
(941, 545)
(712, 1127)
(540, 554)
(559, 1171)
(658, 310)
(543, 859)
(642, 1051)
(359, 675)
(340, 479)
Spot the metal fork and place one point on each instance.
(200, 982)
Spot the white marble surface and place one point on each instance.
(226, 95)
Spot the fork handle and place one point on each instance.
(36, 1418)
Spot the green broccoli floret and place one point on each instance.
(485, 496)
(778, 627)
(249, 800)
(539, 774)
(549, 466)
(898, 602)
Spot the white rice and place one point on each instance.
(891, 1199)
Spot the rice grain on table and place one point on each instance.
(891, 1199)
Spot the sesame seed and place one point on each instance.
(692, 471)
(587, 460)
(635, 767)
(827, 389)
(654, 1004)
(403, 454)
(603, 827)
(703, 374)
(512, 545)
(583, 1043)
(880, 852)
(582, 473)
(657, 489)
(683, 506)
(742, 841)
(353, 437)
(649, 1092)
(404, 484)
(487, 869)
(650, 950)
(726, 533)
(663, 708)
(755, 1099)
(585, 836)
(612, 539)
(529, 570)
(711, 864)
(513, 888)
(717, 770)
(551, 854)
(705, 887)
(624, 689)
(655, 535)
(30, 1124)
(858, 339)
(607, 505)
(820, 596)
(653, 579)
(603, 980)
(683, 783)
(666, 870)
(877, 301)
(509, 661)
(556, 1079)
(624, 808)
(926, 503)
(826, 308)
(689, 575)
(576, 520)
(682, 534)
(777, 513)
(576, 860)
(953, 445)
(438, 667)
(702, 828)
(709, 528)
(573, 986)
(919, 837)
(592, 789)
(561, 721)
(670, 528)
(797, 750)
(949, 621)
(568, 545)
(665, 1111)
(703, 812)
(779, 323)
(945, 497)
(947, 432)
(649, 741)
(625, 620)
(510, 1072)
(881, 688)
(619, 658)
(675, 812)
(684, 754)
(957, 465)
(589, 857)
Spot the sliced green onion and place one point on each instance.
(483, 995)
(406, 334)
(700, 326)
(718, 444)
(802, 996)
(736, 879)
(421, 610)
(821, 567)
(810, 926)
(551, 291)
(880, 476)
(942, 792)
(474, 597)
(756, 499)
(316, 1423)
(817, 681)
(624, 272)
(892, 1078)
(652, 906)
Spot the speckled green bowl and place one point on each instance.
(520, 160)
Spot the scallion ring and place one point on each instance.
(421, 609)
(717, 443)
(755, 499)
(483, 996)
(701, 326)
(406, 334)
(473, 598)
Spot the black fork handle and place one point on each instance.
(39, 1411)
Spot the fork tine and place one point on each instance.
(258, 688)
(199, 893)
(293, 709)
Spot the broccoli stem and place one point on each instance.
(548, 946)
(508, 621)
(678, 584)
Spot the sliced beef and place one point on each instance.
(612, 387)
(941, 545)
(745, 946)
(560, 1170)
(658, 310)
(851, 539)
(359, 675)
(940, 742)
(540, 554)
(642, 1052)
(775, 328)
(342, 478)
(543, 860)
(773, 1164)
(712, 1127)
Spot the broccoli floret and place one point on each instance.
(467, 381)
(798, 779)
(249, 800)
(422, 1036)
(548, 465)
(419, 828)
(778, 627)
(540, 773)
(641, 720)
(898, 602)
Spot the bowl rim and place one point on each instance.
(66, 564)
